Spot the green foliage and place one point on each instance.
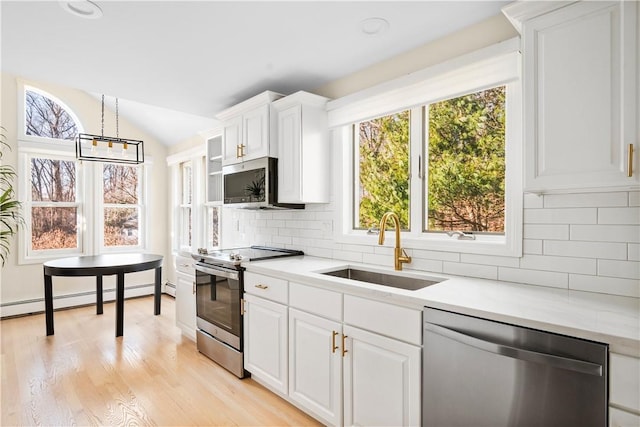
(384, 169)
(466, 162)
(10, 208)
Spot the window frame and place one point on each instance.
(101, 206)
(496, 65)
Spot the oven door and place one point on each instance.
(218, 293)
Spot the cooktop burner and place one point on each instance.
(235, 256)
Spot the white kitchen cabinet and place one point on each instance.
(315, 365)
(185, 297)
(265, 341)
(624, 390)
(620, 418)
(303, 148)
(214, 169)
(249, 129)
(381, 380)
(580, 94)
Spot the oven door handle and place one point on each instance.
(218, 272)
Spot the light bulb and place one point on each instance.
(110, 149)
(94, 146)
(124, 150)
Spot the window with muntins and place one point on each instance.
(444, 153)
(72, 207)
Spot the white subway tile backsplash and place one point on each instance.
(585, 200)
(588, 242)
(606, 233)
(534, 277)
(608, 285)
(490, 260)
(561, 216)
(619, 216)
(435, 255)
(424, 265)
(586, 249)
(470, 270)
(533, 200)
(532, 246)
(622, 269)
(559, 264)
(349, 256)
(546, 231)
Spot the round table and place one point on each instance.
(99, 266)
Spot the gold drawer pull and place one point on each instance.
(334, 347)
(262, 286)
(344, 347)
(630, 162)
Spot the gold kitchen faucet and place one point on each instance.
(399, 255)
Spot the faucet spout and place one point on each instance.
(400, 256)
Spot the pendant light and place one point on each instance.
(100, 148)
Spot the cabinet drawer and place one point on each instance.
(266, 287)
(316, 300)
(185, 265)
(401, 323)
(624, 381)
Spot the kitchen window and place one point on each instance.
(443, 152)
(72, 208)
(185, 208)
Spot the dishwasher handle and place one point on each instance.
(518, 353)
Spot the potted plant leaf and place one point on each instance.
(255, 190)
(10, 208)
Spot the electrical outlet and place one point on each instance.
(327, 226)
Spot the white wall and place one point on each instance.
(24, 283)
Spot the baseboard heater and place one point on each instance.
(36, 305)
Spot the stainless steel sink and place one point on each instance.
(385, 279)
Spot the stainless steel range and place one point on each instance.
(219, 289)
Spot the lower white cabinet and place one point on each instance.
(337, 372)
(265, 341)
(620, 418)
(315, 365)
(381, 380)
(186, 304)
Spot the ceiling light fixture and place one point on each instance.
(373, 26)
(100, 148)
(82, 8)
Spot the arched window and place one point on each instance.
(47, 117)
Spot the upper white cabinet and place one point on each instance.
(249, 129)
(303, 148)
(580, 76)
(214, 169)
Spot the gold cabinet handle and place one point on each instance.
(334, 347)
(630, 162)
(239, 151)
(344, 347)
(242, 310)
(261, 286)
(194, 287)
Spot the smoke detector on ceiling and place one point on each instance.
(82, 8)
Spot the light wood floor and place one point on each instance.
(83, 375)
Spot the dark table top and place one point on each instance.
(102, 264)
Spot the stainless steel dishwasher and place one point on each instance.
(478, 372)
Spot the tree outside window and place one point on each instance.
(121, 205)
(464, 187)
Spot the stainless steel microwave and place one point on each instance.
(253, 185)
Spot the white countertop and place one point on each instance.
(605, 318)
